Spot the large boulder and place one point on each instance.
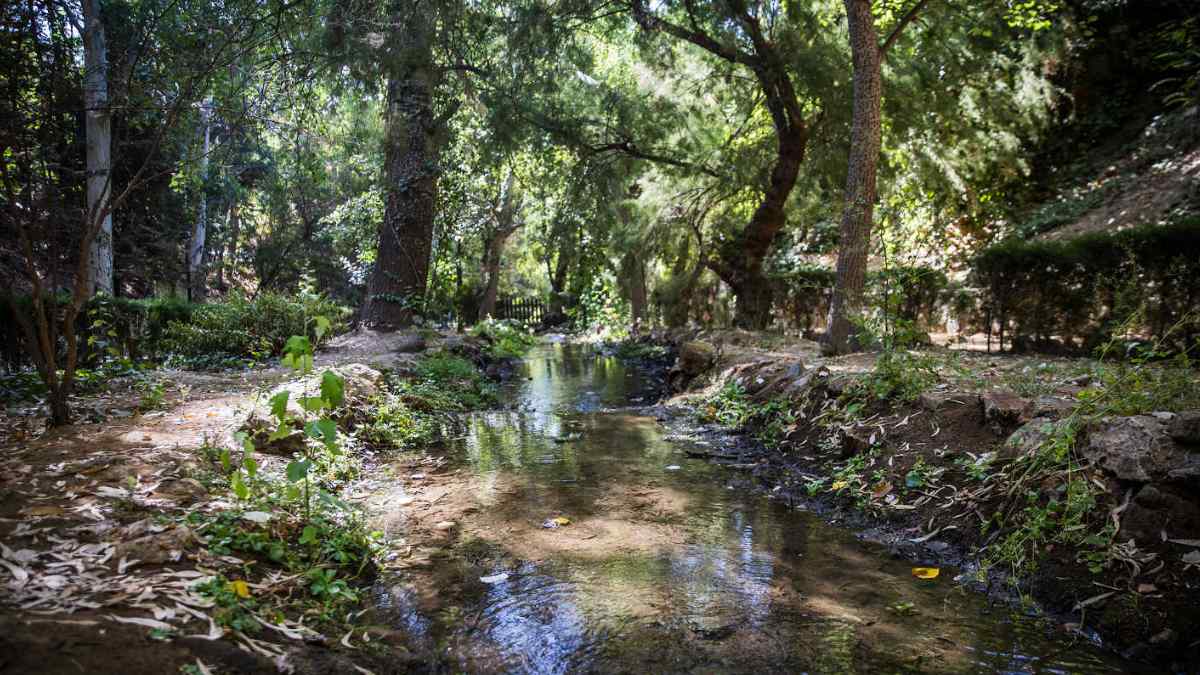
(695, 358)
(1139, 449)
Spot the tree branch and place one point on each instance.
(904, 21)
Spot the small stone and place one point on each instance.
(445, 526)
(1004, 407)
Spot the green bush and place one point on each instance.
(1077, 292)
(256, 328)
(506, 339)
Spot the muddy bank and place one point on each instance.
(932, 479)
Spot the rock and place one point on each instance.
(1185, 428)
(155, 549)
(410, 344)
(1138, 449)
(1054, 407)
(1031, 435)
(1004, 407)
(445, 526)
(695, 358)
(1156, 508)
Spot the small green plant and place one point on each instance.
(506, 339)
(977, 467)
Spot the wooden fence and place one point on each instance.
(528, 311)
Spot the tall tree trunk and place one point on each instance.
(396, 289)
(507, 222)
(633, 279)
(196, 280)
(859, 213)
(98, 130)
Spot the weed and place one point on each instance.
(506, 339)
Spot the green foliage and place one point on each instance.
(505, 339)
(1078, 291)
(732, 408)
(899, 374)
(410, 413)
(251, 328)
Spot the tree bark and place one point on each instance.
(506, 224)
(633, 279)
(196, 247)
(859, 212)
(98, 131)
(396, 289)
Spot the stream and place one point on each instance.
(663, 563)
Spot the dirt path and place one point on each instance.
(87, 514)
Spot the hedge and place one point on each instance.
(1076, 293)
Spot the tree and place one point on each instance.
(197, 243)
(865, 140)
(98, 124)
(739, 258)
(506, 220)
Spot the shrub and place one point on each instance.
(506, 339)
(1078, 292)
(254, 328)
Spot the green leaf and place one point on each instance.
(297, 345)
(246, 441)
(308, 535)
(297, 470)
(328, 433)
(251, 466)
(279, 404)
(239, 488)
(283, 431)
(321, 328)
(333, 388)
(324, 430)
(312, 403)
(226, 462)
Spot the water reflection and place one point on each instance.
(670, 571)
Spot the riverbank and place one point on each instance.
(1041, 477)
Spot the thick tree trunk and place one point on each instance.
(740, 262)
(740, 259)
(98, 131)
(396, 289)
(491, 271)
(196, 247)
(507, 223)
(633, 279)
(859, 213)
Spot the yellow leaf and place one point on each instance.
(926, 572)
(562, 521)
(240, 588)
(838, 485)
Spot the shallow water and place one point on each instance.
(670, 564)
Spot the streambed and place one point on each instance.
(574, 534)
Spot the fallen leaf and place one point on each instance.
(926, 572)
(881, 489)
(259, 517)
(44, 511)
(1146, 588)
(838, 485)
(240, 588)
